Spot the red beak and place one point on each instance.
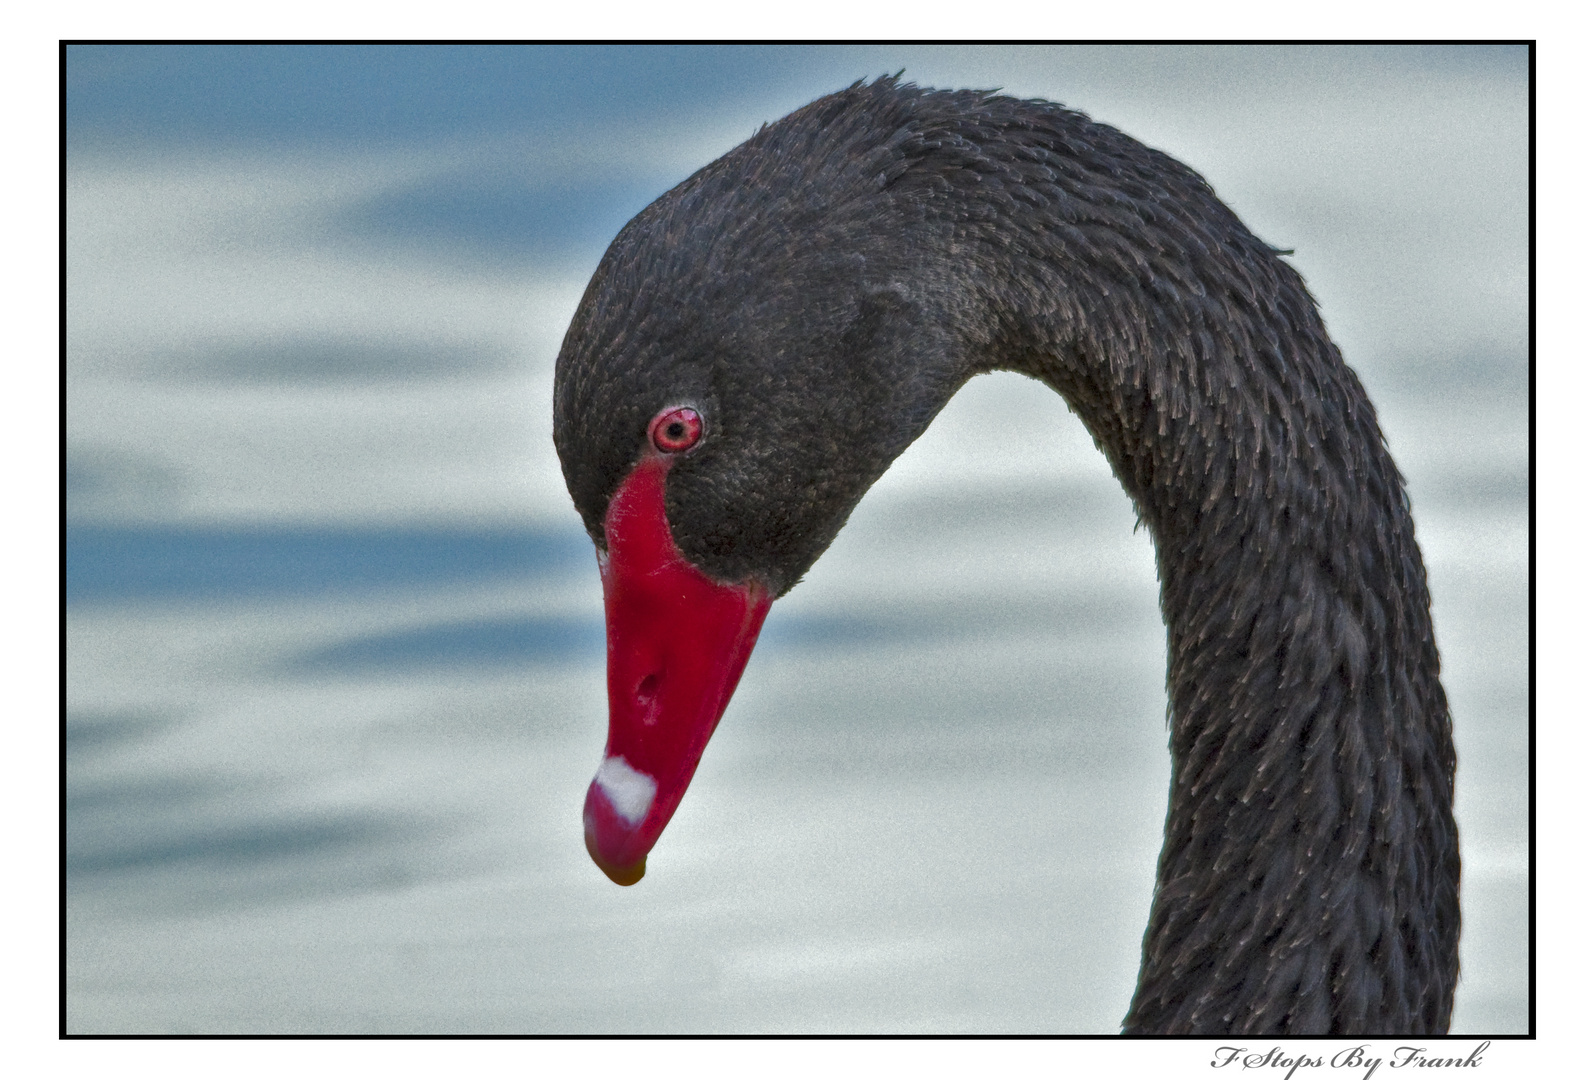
(678, 641)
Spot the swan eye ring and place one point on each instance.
(676, 430)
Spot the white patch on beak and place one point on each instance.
(630, 792)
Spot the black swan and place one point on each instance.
(760, 343)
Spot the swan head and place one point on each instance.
(773, 301)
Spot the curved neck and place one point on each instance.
(1309, 877)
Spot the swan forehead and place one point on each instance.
(630, 792)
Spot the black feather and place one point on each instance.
(821, 291)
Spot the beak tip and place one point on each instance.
(620, 875)
(616, 845)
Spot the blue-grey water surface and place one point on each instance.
(335, 649)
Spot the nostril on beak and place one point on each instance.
(645, 696)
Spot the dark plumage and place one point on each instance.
(821, 291)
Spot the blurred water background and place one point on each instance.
(334, 639)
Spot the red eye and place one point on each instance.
(675, 430)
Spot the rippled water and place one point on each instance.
(335, 654)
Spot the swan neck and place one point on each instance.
(1308, 880)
